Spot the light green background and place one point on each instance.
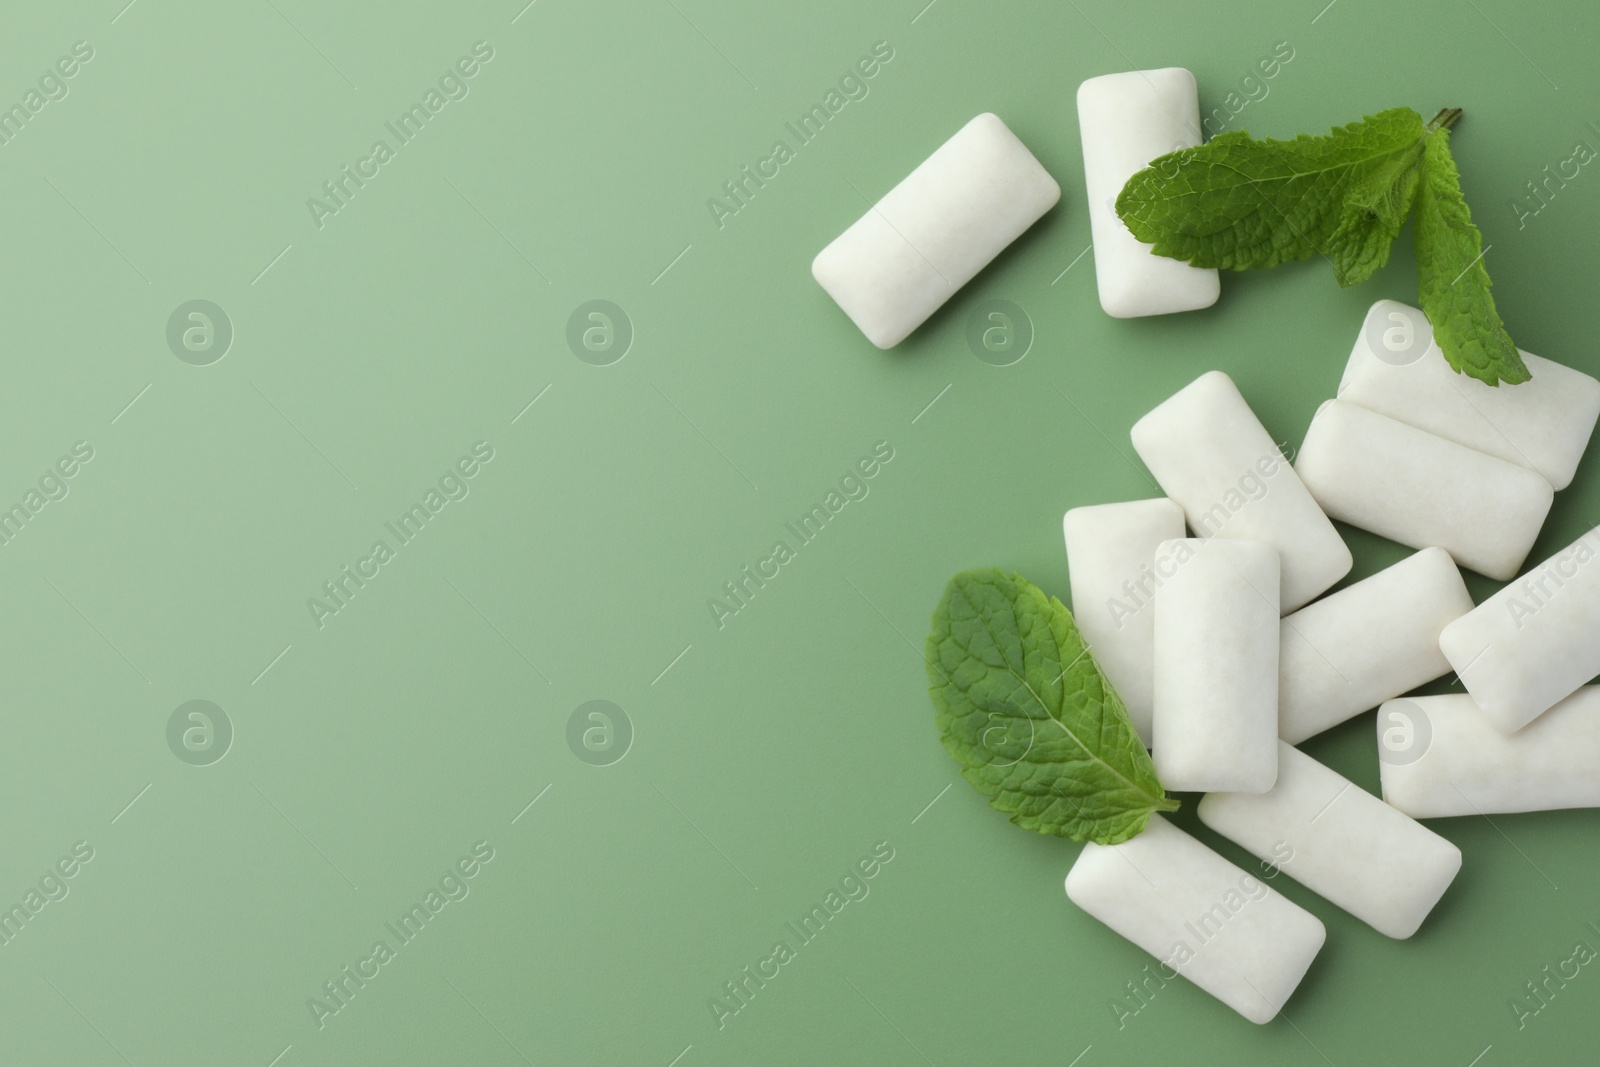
(769, 755)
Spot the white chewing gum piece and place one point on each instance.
(1440, 756)
(1211, 455)
(1422, 490)
(1341, 842)
(1215, 721)
(931, 234)
(1220, 927)
(1354, 649)
(1125, 121)
(1535, 641)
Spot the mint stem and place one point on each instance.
(1445, 119)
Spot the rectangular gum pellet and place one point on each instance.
(1375, 639)
(1533, 642)
(1215, 718)
(930, 235)
(1220, 927)
(1544, 424)
(1126, 121)
(1110, 548)
(1421, 490)
(1440, 756)
(1341, 842)
(1211, 455)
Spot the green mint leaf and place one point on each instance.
(1024, 709)
(1451, 278)
(1241, 204)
